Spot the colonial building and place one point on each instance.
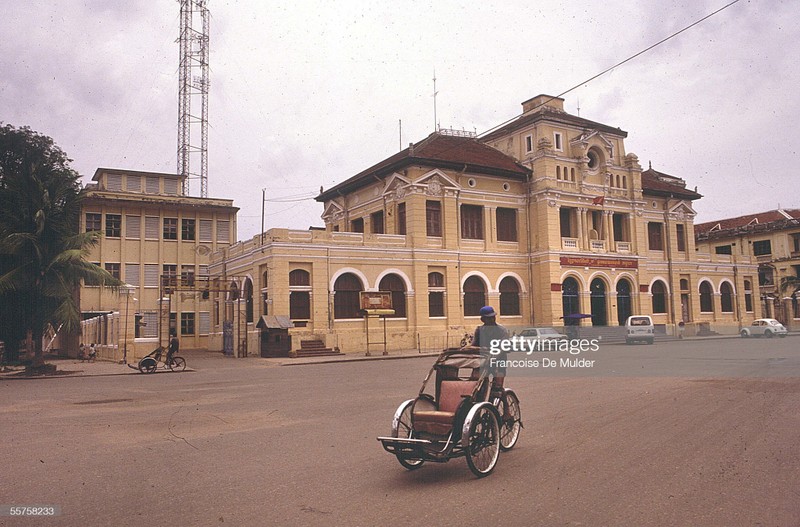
(545, 218)
(149, 230)
(772, 239)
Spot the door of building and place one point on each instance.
(623, 301)
(598, 299)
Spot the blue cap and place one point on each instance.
(488, 311)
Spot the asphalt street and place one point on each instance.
(676, 433)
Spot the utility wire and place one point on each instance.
(615, 65)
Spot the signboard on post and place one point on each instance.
(376, 304)
(371, 300)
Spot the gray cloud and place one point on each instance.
(304, 95)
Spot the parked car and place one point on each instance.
(541, 334)
(767, 327)
(639, 328)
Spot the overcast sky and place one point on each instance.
(307, 93)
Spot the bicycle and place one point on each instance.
(151, 362)
(507, 404)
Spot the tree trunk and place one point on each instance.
(36, 343)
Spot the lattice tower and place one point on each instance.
(193, 92)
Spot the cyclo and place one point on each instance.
(151, 362)
(462, 417)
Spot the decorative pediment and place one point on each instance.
(333, 211)
(396, 186)
(584, 138)
(436, 183)
(683, 210)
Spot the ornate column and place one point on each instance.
(609, 228)
(582, 235)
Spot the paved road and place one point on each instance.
(639, 441)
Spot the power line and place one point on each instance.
(615, 65)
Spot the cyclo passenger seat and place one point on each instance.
(440, 421)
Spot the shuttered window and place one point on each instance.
(433, 218)
(150, 324)
(203, 323)
(133, 183)
(152, 227)
(114, 182)
(151, 272)
(223, 231)
(506, 224)
(472, 222)
(151, 185)
(206, 230)
(133, 227)
(171, 187)
(132, 274)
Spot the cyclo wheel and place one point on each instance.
(177, 364)
(483, 441)
(401, 428)
(510, 418)
(148, 365)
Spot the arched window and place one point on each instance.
(248, 299)
(233, 291)
(474, 296)
(726, 297)
(509, 296)
(346, 303)
(299, 277)
(570, 299)
(436, 294)
(706, 299)
(395, 285)
(659, 291)
(299, 294)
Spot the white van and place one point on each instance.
(639, 328)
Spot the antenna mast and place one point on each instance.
(435, 93)
(193, 85)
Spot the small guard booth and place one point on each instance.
(275, 339)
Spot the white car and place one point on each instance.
(541, 334)
(767, 327)
(639, 328)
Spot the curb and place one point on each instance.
(334, 360)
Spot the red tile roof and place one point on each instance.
(730, 226)
(437, 151)
(659, 184)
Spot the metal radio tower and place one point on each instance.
(193, 86)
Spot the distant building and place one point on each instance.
(772, 239)
(546, 218)
(149, 230)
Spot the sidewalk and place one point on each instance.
(75, 368)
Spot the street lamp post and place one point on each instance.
(128, 289)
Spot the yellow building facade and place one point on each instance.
(153, 238)
(772, 240)
(545, 218)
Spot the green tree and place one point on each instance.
(42, 252)
(788, 285)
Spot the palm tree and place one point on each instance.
(42, 254)
(788, 287)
